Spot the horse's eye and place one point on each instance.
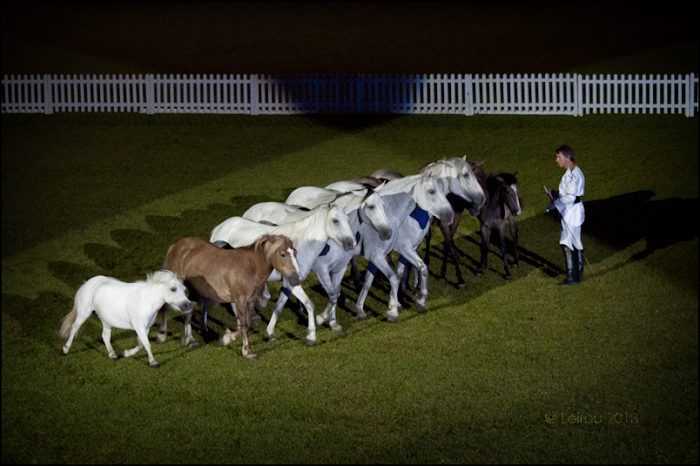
(173, 289)
(431, 192)
(335, 220)
(283, 254)
(371, 207)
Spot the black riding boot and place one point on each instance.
(579, 263)
(570, 266)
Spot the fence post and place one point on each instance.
(150, 95)
(579, 95)
(468, 95)
(48, 98)
(360, 79)
(689, 94)
(254, 95)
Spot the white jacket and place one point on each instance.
(572, 184)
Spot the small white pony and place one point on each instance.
(131, 306)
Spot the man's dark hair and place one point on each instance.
(566, 151)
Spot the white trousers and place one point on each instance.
(571, 236)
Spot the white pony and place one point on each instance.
(310, 236)
(132, 306)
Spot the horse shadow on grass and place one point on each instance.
(611, 225)
(139, 252)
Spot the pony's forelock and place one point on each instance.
(161, 277)
(270, 244)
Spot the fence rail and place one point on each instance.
(253, 94)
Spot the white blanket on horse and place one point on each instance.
(572, 184)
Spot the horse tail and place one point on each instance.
(68, 322)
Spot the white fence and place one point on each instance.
(461, 94)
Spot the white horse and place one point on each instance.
(454, 176)
(417, 196)
(131, 306)
(400, 197)
(363, 206)
(310, 236)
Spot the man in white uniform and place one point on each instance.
(568, 202)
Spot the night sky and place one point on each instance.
(297, 38)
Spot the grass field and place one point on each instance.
(504, 371)
(469, 381)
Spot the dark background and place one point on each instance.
(298, 38)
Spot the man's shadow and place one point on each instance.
(623, 220)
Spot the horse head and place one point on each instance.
(338, 229)
(282, 255)
(173, 290)
(431, 198)
(510, 192)
(372, 212)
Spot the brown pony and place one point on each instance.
(235, 276)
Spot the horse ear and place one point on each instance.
(464, 158)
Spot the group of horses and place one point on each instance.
(319, 229)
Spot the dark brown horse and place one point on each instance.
(502, 203)
(235, 276)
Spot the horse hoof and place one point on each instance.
(461, 286)
(478, 273)
(361, 316)
(63, 352)
(320, 320)
(251, 356)
(193, 345)
(271, 338)
(336, 328)
(509, 276)
(310, 342)
(155, 365)
(392, 318)
(160, 337)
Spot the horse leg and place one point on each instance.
(246, 309)
(80, 319)
(428, 237)
(187, 338)
(261, 303)
(355, 274)
(299, 292)
(485, 243)
(379, 263)
(514, 234)
(336, 278)
(203, 318)
(106, 337)
(448, 233)
(369, 278)
(324, 278)
(230, 336)
(502, 239)
(163, 329)
(420, 293)
(142, 334)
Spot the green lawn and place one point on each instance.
(474, 379)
